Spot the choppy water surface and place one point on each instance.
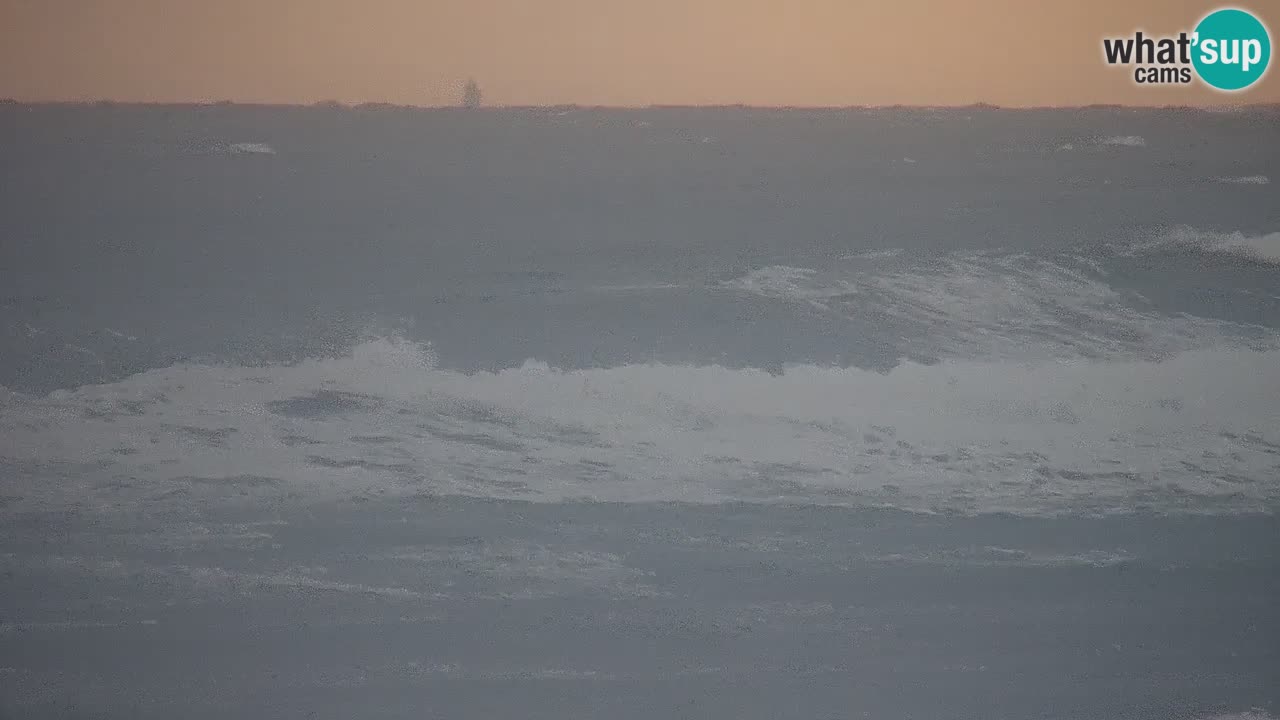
(325, 412)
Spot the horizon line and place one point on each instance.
(376, 104)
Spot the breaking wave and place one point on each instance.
(997, 305)
(1043, 390)
(1123, 141)
(1246, 180)
(1259, 248)
(220, 147)
(250, 148)
(1100, 143)
(959, 436)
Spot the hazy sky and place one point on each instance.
(616, 52)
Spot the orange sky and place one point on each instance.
(610, 52)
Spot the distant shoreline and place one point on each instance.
(335, 105)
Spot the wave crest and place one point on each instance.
(1184, 435)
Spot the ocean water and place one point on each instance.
(868, 413)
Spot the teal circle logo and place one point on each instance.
(1231, 49)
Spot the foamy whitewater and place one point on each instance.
(966, 436)
(390, 413)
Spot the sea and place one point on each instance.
(674, 412)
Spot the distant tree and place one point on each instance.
(471, 96)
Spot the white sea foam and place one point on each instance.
(637, 288)
(120, 335)
(873, 254)
(294, 579)
(1001, 556)
(967, 436)
(1096, 143)
(1123, 141)
(1156, 417)
(250, 148)
(784, 282)
(12, 626)
(1263, 248)
(1246, 180)
(991, 305)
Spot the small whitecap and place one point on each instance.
(250, 148)
(1124, 141)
